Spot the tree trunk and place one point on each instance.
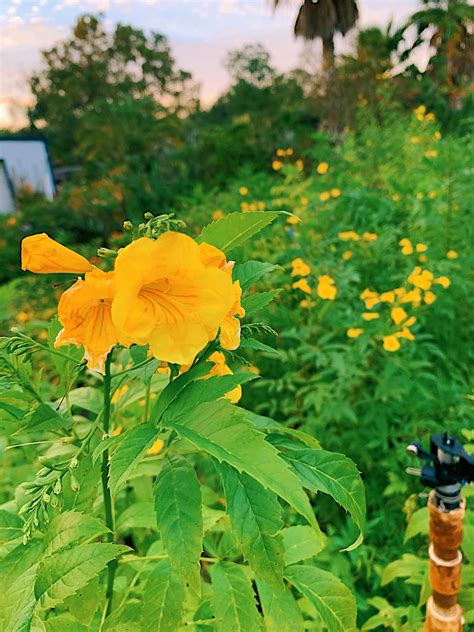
(328, 55)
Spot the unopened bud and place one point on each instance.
(75, 486)
(127, 225)
(106, 253)
(73, 463)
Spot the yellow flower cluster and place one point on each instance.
(422, 281)
(326, 288)
(409, 249)
(251, 207)
(422, 115)
(170, 293)
(284, 152)
(327, 195)
(322, 168)
(350, 235)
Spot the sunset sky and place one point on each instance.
(200, 32)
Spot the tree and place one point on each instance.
(94, 66)
(447, 26)
(323, 19)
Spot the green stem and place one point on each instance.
(109, 511)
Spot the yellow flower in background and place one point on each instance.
(452, 254)
(220, 368)
(244, 206)
(396, 197)
(398, 315)
(421, 109)
(119, 393)
(430, 116)
(299, 165)
(422, 258)
(405, 333)
(156, 447)
(302, 284)
(293, 220)
(387, 297)
(432, 195)
(335, 193)
(429, 297)
(322, 168)
(305, 304)
(370, 315)
(437, 135)
(347, 255)
(217, 215)
(304, 201)
(370, 236)
(277, 165)
(354, 332)
(324, 196)
(243, 190)
(23, 317)
(166, 296)
(299, 267)
(391, 343)
(370, 298)
(84, 311)
(408, 323)
(289, 151)
(421, 278)
(326, 288)
(415, 139)
(413, 297)
(261, 206)
(280, 152)
(431, 153)
(443, 281)
(43, 255)
(419, 196)
(421, 248)
(348, 235)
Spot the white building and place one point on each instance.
(27, 164)
(7, 193)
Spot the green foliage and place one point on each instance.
(179, 518)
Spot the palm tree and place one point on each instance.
(323, 19)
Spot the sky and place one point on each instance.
(200, 33)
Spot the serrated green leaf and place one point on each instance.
(208, 390)
(332, 599)
(419, 524)
(43, 418)
(408, 566)
(255, 515)
(259, 300)
(163, 600)
(130, 448)
(301, 543)
(251, 271)
(235, 229)
(11, 526)
(233, 599)
(173, 389)
(17, 578)
(138, 515)
(280, 610)
(179, 519)
(251, 343)
(333, 474)
(71, 527)
(64, 622)
(223, 431)
(65, 572)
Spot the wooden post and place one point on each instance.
(443, 613)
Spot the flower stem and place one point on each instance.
(108, 508)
